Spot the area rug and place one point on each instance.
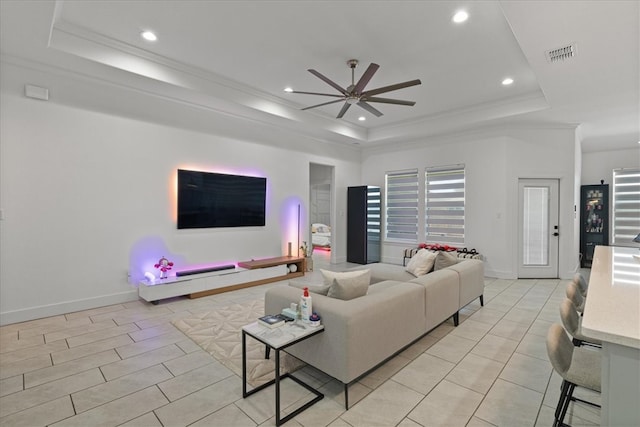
(219, 333)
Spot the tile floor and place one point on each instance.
(126, 365)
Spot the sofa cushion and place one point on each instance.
(421, 263)
(442, 295)
(316, 289)
(349, 288)
(445, 259)
(382, 271)
(328, 276)
(471, 272)
(383, 286)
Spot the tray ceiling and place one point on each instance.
(239, 57)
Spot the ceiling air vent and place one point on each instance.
(561, 53)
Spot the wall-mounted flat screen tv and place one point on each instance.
(208, 200)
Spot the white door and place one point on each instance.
(538, 233)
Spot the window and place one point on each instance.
(402, 205)
(444, 204)
(535, 225)
(626, 205)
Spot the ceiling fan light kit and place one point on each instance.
(355, 93)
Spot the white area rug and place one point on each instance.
(219, 333)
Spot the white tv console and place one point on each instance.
(249, 273)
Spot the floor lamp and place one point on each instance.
(298, 251)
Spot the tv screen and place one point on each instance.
(207, 200)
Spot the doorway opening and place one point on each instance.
(321, 212)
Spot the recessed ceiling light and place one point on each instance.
(288, 89)
(460, 16)
(149, 36)
(362, 118)
(507, 81)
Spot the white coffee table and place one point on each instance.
(278, 339)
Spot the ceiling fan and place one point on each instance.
(355, 93)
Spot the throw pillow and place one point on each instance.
(421, 263)
(349, 288)
(328, 276)
(316, 289)
(445, 259)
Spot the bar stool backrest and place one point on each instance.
(559, 349)
(570, 317)
(579, 280)
(573, 293)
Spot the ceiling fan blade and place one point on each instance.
(320, 105)
(369, 108)
(366, 77)
(390, 101)
(343, 110)
(391, 87)
(316, 93)
(329, 82)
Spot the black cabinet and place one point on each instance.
(363, 224)
(594, 220)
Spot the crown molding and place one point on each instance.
(67, 89)
(97, 48)
(452, 120)
(466, 134)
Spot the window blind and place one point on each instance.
(402, 205)
(626, 206)
(444, 204)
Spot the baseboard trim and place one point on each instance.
(31, 313)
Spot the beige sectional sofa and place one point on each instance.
(399, 308)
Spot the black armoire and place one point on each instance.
(363, 224)
(594, 220)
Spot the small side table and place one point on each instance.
(278, 339)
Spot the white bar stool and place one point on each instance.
(574, 295)
(577, 367)
(579, 280)
(573, 324)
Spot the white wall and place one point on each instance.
(494, 160)
(597, 165)
(547, 153)
(81, 189)
(577, 173)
